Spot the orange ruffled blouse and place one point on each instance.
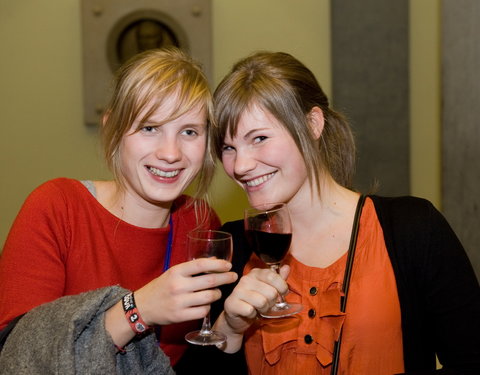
(372, 335)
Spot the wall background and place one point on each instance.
(42, 134)
(370, 85)
(460, 127)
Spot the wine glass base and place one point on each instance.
(204, 339)
(281, 310)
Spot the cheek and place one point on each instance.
(279, 157)
(123, 154)
(297, 162)
(227, 163)
(131, 146)
(287, 154)
(196, 153)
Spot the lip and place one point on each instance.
(257, 182)
(164, 175)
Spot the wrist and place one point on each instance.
(134, 319)
(234, 337)
(117, 326)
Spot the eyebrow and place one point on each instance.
(149, 122)
(247, 134)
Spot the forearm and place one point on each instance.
(117, 326)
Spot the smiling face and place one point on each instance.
(264, 160)
(160, 159)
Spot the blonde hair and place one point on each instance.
(152, 77)
(287, 89)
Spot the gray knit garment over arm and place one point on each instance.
(68, 336)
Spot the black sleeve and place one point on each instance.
(438, 290)
(452, 300)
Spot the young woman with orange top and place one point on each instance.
(412, 292)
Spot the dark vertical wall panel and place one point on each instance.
(461, 121)
(371, 86)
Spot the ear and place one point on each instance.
(316, 121)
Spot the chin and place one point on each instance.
(163, 196)
(260, 200)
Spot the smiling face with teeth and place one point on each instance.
(264, 160)
(160, 157)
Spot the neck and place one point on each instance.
(322, 223)
(132, 208)
(320, 208)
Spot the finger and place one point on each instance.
(269, 277)
(192, 313)
(251, 286)
(204, 297)
(212, 280)
(260, 302)
(261, 298)
(204, 265)
(284, 271)
(259, 295)
(239, 308)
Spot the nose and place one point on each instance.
(169, 149)
(244, 162)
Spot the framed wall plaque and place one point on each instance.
(115, 30)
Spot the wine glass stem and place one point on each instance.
(276, 268)
(206, 326)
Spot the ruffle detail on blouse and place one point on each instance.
(277, 333)
(331, 322)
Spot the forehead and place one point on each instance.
(252, 118)
(161, 109)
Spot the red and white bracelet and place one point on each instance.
(133, 316)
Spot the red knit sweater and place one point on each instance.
(64, 242)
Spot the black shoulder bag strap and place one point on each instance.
(346, 278)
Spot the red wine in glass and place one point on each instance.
(271, 248)
(269, 233)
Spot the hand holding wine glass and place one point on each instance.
(208, 244)
(269, 232)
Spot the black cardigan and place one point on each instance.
(437, 287)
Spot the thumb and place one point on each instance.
(284, 271)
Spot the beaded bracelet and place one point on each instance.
(133, 316)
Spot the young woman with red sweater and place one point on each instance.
(78, 249)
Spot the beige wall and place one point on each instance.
(240, 27)
(42, 135)
(425, 97)
(41, 127)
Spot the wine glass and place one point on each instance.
(208, 244)
(269, 232)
